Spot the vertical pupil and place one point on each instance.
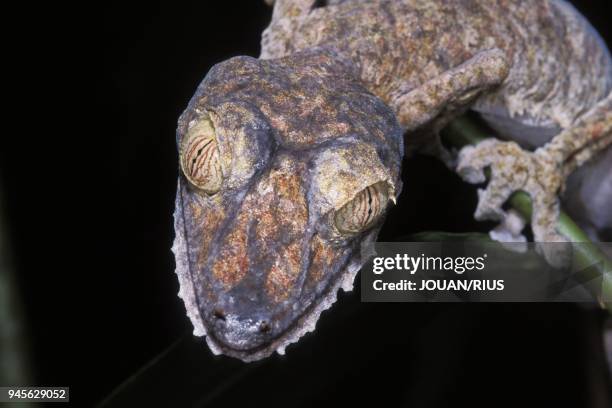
(197, 154)
(200, 157)
(363, 210)
(367, 218)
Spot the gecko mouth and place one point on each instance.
(239, 335)
(254, 296)
(251, 340)
(258, 279)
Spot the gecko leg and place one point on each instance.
(541, 173)
(425, 110)
(451, 89)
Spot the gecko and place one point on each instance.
(290, 161)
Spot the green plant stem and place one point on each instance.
(464, 131)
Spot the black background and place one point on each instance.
(88, 183)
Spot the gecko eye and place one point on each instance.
(200, 158)
(362, 211)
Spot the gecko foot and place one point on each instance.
(510, 230)
(514, 169)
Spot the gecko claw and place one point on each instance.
(514, 169)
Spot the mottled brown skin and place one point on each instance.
(532, 68)
(298, 139)
(303, 130)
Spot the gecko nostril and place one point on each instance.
(318, 4)
(264, 327)
(219, 314)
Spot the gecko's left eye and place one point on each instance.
(363, 210)
(200, 158)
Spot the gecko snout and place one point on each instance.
(242, 331)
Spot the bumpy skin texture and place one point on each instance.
(298, 138)
(421, 57)
(303, 132)
(558, 67)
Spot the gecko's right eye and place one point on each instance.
(200, 158)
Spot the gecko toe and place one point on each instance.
(513, 169)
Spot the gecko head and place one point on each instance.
(282, 183)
